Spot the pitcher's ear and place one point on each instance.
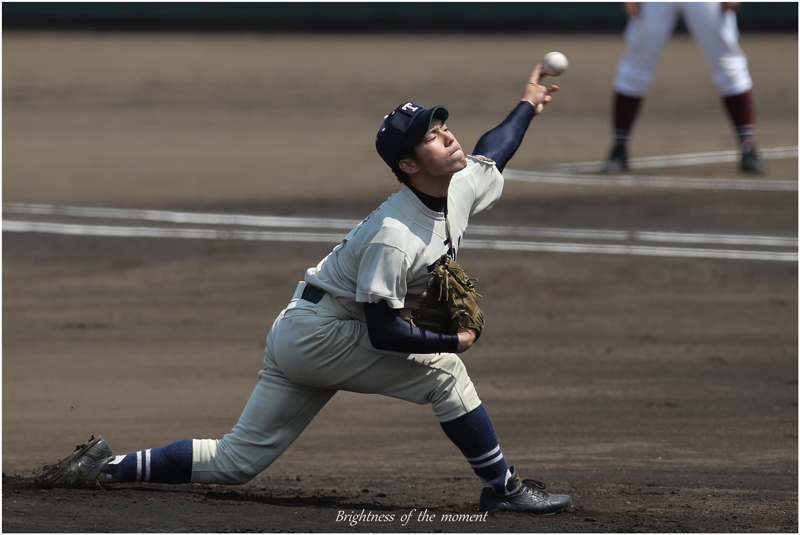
(408, 165)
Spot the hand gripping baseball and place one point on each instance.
(538, 95)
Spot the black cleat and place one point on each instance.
(526, 496)
(752, 162)
(617, 160)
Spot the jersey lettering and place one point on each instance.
(452, 252)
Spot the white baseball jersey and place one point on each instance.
(388, 255)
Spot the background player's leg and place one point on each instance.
(741, 111)
(718, 35)
(645, 37)
(624, 112)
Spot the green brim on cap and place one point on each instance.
(420, 127)
(440, 112)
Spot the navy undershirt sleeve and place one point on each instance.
(501, 142)
(389, 331)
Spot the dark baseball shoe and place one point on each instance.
(526, 496)
(617, 160)
(83, 467)
(752, 162)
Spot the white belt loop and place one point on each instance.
(298, 292)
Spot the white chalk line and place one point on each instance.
(589, 173)
(347, 224)
(635, 250)
(178, 217)
(674, 160)
(212, 234)
(160, 232)
(574, 174)
(336, 237)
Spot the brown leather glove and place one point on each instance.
(450, 301)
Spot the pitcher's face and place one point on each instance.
(439, 153)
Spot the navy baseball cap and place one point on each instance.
(404, 128)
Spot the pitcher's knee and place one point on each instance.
(454, 394)
(451, 363)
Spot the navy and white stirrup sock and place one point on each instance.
(168, 464)
(474, 435)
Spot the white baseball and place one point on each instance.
(554, 63)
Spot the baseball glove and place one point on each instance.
(450, 301)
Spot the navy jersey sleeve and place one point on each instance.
(501, 142)
(389, 331)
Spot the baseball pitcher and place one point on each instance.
(358, 322)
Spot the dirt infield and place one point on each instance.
(659, 392)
